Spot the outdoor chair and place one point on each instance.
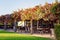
(44, 30)
(39, 30)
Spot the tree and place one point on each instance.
(4, 21)
(14, 17)
(56, 11)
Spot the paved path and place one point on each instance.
(43, 35)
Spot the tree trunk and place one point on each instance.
(4, 25)
(31, 27)
(37, 23)
(15, 27)
(25, 26)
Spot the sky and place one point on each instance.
(8, 6)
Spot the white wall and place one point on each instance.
(21, 23)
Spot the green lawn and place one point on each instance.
(4, 35)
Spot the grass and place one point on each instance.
(4, 31)
(4, 35)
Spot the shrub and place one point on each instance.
(1, 24)
(57, 31)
